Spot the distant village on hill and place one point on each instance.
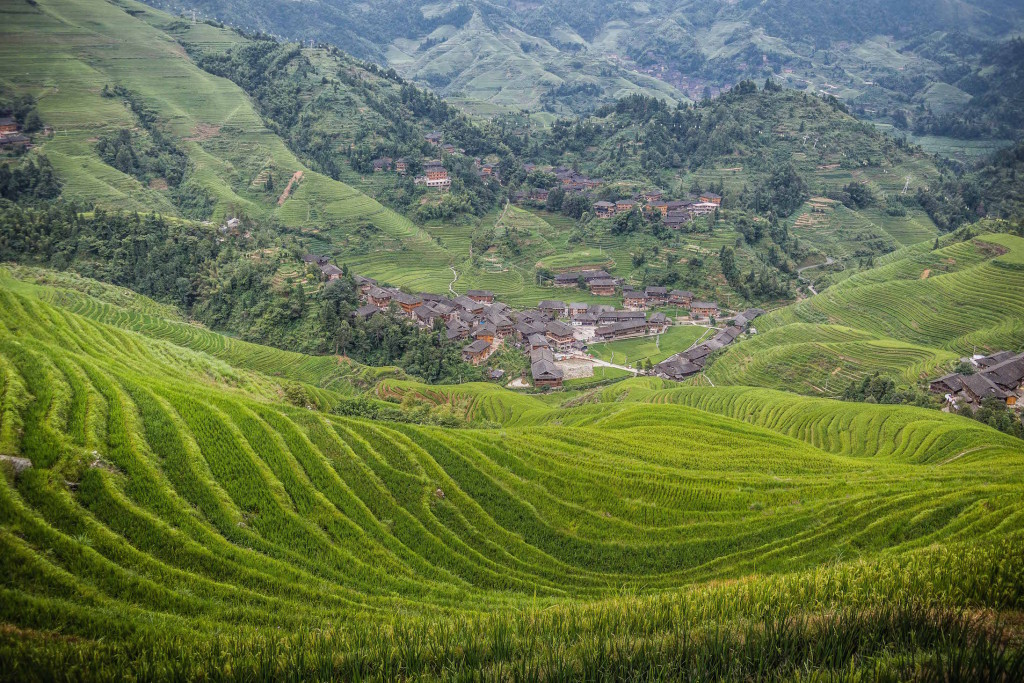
(672, 213)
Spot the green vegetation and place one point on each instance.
(908, 319)
(232, 284)
(183, 517)
(233, 147)
(178, 504)
(951, 68)
(655, 349)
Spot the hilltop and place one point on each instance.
(168, 500)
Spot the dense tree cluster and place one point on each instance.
(997, 415)
(153, 155)
(878, 388)
(218, 283)
(306, 107)
(31, 180)
(155, 158)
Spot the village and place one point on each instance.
(673, 214)
(999, 377)
(556, 334)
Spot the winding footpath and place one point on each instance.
(454, 280)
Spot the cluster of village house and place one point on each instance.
(999, 376)
(652, 202)
(553, 327)
(674, 213)
(692, 361)
(601, 283)
(11, 136)
(435, 175)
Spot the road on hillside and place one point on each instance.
(810, 286)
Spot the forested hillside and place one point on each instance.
(930, 66)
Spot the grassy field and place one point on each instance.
(180, 519)
(654, 349)
(909, 318)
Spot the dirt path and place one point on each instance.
(960, 455)
(502, 216)
(810, 285)
(828, 262)
(926, 273)
(288, 190)
(454, 280)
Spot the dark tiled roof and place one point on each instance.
(479, 346)
(982, 387)
(1008, 374)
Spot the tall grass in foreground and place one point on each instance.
(944, 614)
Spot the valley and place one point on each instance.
(508, 341)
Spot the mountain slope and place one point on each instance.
(172, 502)
(66, 51)
(892, 61)
(910, 318)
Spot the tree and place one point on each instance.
(555, 199)
(32, 122)
(627, 223)
(728, 258)
(123, 160)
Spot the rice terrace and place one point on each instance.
(511, 341)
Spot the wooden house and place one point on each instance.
(437, 175)
(680, 297)
(553, 309)
(626, 329)
(604, 209)
(331, 272)
(378, 296)
(978, 387)
(543, 369)
(363, 284)
(703, 309)
(602, 287)
(657, 323)
(634, 300)
(487, 332)
(559, 334)
(476, 352)
(656, 295)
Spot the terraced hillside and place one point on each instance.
(909, 318)
(64, 52)
(179, 519)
